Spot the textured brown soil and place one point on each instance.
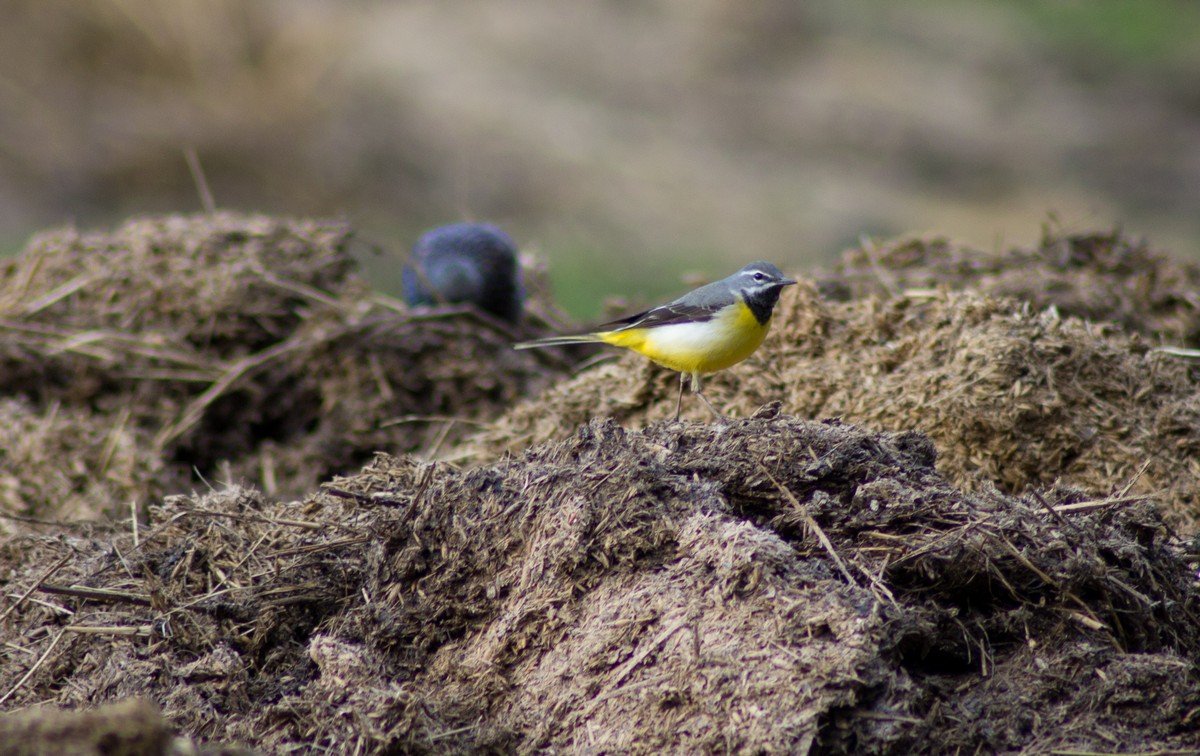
(180, 351)
(938, 520)
(1015, 391)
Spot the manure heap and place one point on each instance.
(941, 520)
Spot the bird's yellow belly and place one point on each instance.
(705, 347)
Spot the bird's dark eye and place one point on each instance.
(760, 276)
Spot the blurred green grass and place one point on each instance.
(1115, 34)
(11, 245)
(592, 285)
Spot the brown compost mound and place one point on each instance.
(240, 347)
(1098, 276)
(130, 727)
(1012, 396)
(772, 584)
(71, 459)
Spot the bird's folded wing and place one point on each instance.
(668, 314)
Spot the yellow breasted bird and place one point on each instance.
(705, 330)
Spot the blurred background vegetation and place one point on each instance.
(628, 143)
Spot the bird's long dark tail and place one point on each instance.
(579, 338)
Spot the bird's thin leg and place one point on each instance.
(679, 401)
(696, 389)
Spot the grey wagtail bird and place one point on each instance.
(466, 262)
(705, 330)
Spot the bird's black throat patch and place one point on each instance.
(762, 302)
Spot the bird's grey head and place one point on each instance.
(760, 276)
(759, 284)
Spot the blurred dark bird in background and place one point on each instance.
(466, 262)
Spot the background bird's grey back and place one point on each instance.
(466, 262)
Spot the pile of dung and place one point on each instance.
(237, 347)
(1013, 396)
(60, 461)
(1097, 276)
(769, 585)
(130, 727)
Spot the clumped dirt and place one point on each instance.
(131, 726)
(1011, 395)
(1097, 276)
(239, 347)
(939, 521)
(63, 461)
(772, 584)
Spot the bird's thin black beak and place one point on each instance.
(787, 282)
